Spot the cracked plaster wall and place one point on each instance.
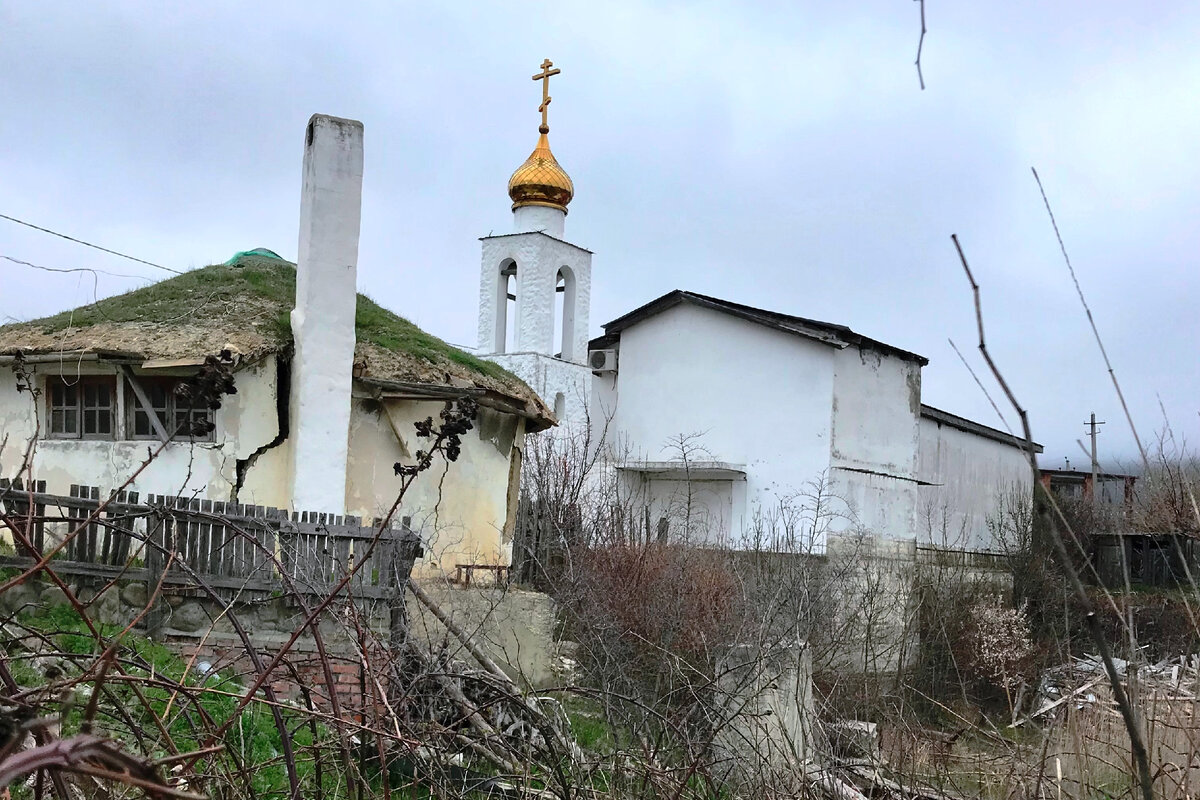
(461, 511)
(245, 421)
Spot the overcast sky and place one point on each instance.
(775, 154)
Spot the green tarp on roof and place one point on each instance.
(258, 251)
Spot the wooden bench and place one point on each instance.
(464, 572)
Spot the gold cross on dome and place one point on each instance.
(544, 77)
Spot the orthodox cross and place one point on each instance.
(544, 77)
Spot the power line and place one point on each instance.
(71, 269)
(88, 244)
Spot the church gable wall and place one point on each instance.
(755, 397)
(876, 405)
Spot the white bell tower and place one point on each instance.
(535, 287)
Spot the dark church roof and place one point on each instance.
(829, 333)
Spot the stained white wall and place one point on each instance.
(972, 475)
(873, 457)
(756, 396)
(462, 512)
(461, 508)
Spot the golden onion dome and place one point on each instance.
(540, 181)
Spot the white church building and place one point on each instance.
(726, 419)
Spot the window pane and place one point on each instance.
(157, 392)
(185, 418)
(98, 407)
(64, 408)
(62, 395)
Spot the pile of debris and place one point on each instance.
(1084, 682)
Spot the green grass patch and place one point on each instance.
(242, 294)
(375, 324)
(252, 739)
(588, 726)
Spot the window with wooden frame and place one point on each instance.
(82, 407)
(174, 413)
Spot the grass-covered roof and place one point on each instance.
(245, 307)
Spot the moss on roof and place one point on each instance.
(245, 304)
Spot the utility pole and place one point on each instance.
(1093, 432)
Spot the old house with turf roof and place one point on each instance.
(328, 387)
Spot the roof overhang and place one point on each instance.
(71, 356)
(1079, 476)
(540, 233)
(690, 471)
(838, 336)
(969, 426)
(382, 389)
(186, 364)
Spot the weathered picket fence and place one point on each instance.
(232, 549)
(541, 540)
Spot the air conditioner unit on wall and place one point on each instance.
(603, 360)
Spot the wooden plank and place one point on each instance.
(218, 541)
(125, 542)
(39, 528)
(67, 501)
(254, 554)
(341, 556)
(144, 401)
(204, 534)
(1055, 704)
(274, 518)
(93, 528)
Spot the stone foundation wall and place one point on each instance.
(515, 627)
(862, 597)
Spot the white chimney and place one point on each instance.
(323, 319)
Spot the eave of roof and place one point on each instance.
(828, 333)
(537, 418)
(970, 426)
(1072, 474)
(542, 233)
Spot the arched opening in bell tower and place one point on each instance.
(564, 313)
(506, 308)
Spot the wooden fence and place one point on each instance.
(1149, 559)
(238, 550)
(541, 541)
